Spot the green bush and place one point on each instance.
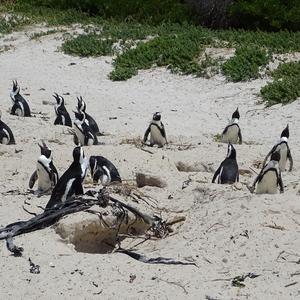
(88, 45)
(286, 85)
(245, 64)
(266, 14)
(177, 52)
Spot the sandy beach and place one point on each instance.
(227, 232)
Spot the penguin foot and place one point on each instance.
(251, 188)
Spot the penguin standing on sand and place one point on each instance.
(45, 172)
(6, 135)
(269, 178)
(228, 171)
(103, 169)
(70, 182)
(62, 115)
(232, 132)
(20, 105)
(81, 107)
(84, 135)
(283, 148)
(157, 131)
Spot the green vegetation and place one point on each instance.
(163, 38)
(267, 14)
(245, 64)
(286, 85)
(88, 45)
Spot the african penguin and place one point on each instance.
(84, 135)
(103, 169)
(228, 171)
(283, 148)
(6, 135)
(270, 177)
(70, 182)
(62, 115)
(157, 131)
(20, 105)
(45, 172)
(81, 107)
(232, 132)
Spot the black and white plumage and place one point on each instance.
(84, 135)
(70, 182)
(45, 172)
(62, 115)
(20, 105)
(81, 107)
(232, 132)
(103, 169)
(283, 148)
(228, 171)
(157, 131)
(269, 178)
(6, 135)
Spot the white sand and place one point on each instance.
(193, 111)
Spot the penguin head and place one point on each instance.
(15, 90)
(78, 154)
(285, 133)
(236, 114)
(231, 153)
(157, 116)
(81, 106)
(275, 156)
(59, 99)
(45, 150)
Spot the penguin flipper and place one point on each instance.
(289, 156)
(268, 155)
(240, 136)
(280, 182)
(216, 174)
(33, 179)
(146, 134)
(78, 189)
(163, 131)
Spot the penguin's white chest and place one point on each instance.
(268, 184)
(44, 182)
(283, 157)
(79, 133)
(156, 136)
(231, 135)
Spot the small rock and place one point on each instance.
(143, 179)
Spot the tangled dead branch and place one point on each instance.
(156, 227)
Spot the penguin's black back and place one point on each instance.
(4, 126)
(19, 98)
(229, 171)
(73, 172)
(92, 123)
(102, 161)
(88, 133)
(62, 111)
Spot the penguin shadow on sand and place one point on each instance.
(270, 176)
(20, 105)
(46, 173)
(157, 132)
